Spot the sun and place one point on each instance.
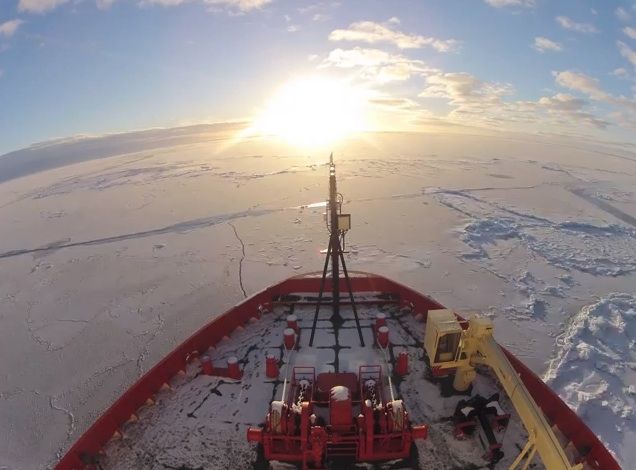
(313, 112)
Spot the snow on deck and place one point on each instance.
(202, 421)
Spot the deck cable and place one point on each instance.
(287, 361)
(389, 371)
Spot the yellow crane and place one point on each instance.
(449, 346)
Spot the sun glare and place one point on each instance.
(313, 112)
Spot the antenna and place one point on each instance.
(338, 224)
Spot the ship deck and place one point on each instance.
(200, 421)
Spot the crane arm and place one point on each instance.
(449, 346)
(489, 353)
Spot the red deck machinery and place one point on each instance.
(336, 416)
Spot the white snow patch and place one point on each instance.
(594, 370)
(277, 407)
(339, 393)
(496, 406)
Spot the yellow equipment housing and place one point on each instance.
(442, 337)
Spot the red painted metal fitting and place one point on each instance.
(402, 364)
(420, 432)
(360, 422)
(383, 336)
(271, 366)
(289, 336)
(380, 320)
(191, 356)
(340, 407)
(254, 435)
(292, 322)
(206, 365)
(233, 370)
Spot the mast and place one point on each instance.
(334, 239)
(338, 225)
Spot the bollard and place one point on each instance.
(206, 365)
(255, 435)
(383, 336)
(233, 370)
(271, 366)
(292, 322)
(380, 320)
(290, 338)
(402, 364)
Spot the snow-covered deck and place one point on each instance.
(201, 420)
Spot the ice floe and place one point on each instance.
(597, 249)
(594, 370)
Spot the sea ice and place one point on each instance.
(593, 370)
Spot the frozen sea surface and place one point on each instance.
(109, 261)
(594, 370)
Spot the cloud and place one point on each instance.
(472, 99)
(39, 6)
(241, 6)
(358, 56)
(391, 102)
(462, 87)
(583, 83)
(396, 72)
(372, 33)
(165, 3)
(319, 6)
(292, 28)
(542, 44)
(566, 108)
(562, 102)
(627, 52)
(620, 73)
(629, 31)
(104, 4)
(375, 64)
(591, 87)
(622, 14)
(9, 28)
(571, 25)
(511, 3)
(484, 103)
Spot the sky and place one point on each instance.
(89, 67)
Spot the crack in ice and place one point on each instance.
(240, 272)
(180, 227)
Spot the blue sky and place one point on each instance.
(96, 66)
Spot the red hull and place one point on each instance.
(92, 441)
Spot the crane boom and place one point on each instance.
(450, 347)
